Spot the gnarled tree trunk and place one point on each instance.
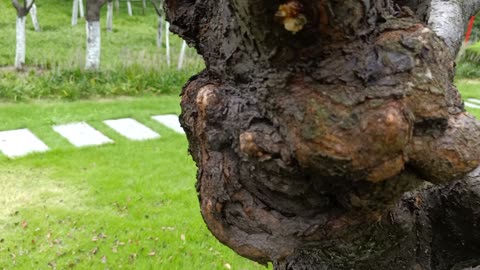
(328, 133)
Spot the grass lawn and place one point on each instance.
(131, 63)
(130, 205)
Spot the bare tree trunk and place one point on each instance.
(75, 13)
(144, 6)
(329, 135)
(117, 5)
(110, 16)
(181, 57)
(21, 43)
(80, 8)
(93, 34)
(160, 14)
(167, 43)
(22, 11)
(129, 8)
(33, 15)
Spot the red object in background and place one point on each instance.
(470, 27)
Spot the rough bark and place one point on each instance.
(328, 134)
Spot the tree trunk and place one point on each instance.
(144, 6)
(181, 57)
(328, 134)
(110, 16)
(93, 45)
(21, 43)
(93, 34)
(117, 5)
(33, 15)
(80, 8)
(167, 43)
(159, 32)
(129, 8)
(75, 13)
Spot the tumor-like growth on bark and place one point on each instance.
(318, 127)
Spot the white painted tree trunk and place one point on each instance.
(21, 43)
(160, 32)
(93, 46)
(80, 8)
(33, 15)
(110, 16)
(129, 7)
(75, 12)
(181, 58)
(167, 42)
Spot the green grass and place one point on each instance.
(131, 63)
(130, 205)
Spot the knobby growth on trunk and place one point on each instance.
(328, 133)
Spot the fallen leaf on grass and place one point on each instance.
(94, 251)
(228, 266)
(24, 224)
(104, 259)
(182, 237)
(151, 253)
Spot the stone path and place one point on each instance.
(21, 142)
(473, 103)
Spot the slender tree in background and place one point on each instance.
(33, 16)
(181, 57)
(80, 8)
(75, 13)
(328, 133)
(161, 17)
(22, 9)
(129, 8)
(109, 15)
(93, 34)
(167, 43)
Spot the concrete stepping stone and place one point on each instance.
(81, 134)
(20, 142)
(472, 105)
(170, 121)
(474, 100)
(132, 129)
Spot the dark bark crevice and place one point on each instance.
(319, 127)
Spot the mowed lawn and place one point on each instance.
(128, 205)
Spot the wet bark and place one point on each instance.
(328, 134)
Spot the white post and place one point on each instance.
(80, 8)
(182, 55)
(93, 46)
(167, 42)
(160, 32)
(33, 15)
(109, 16)
(21, 43)
(129, 7)
(75, 12)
